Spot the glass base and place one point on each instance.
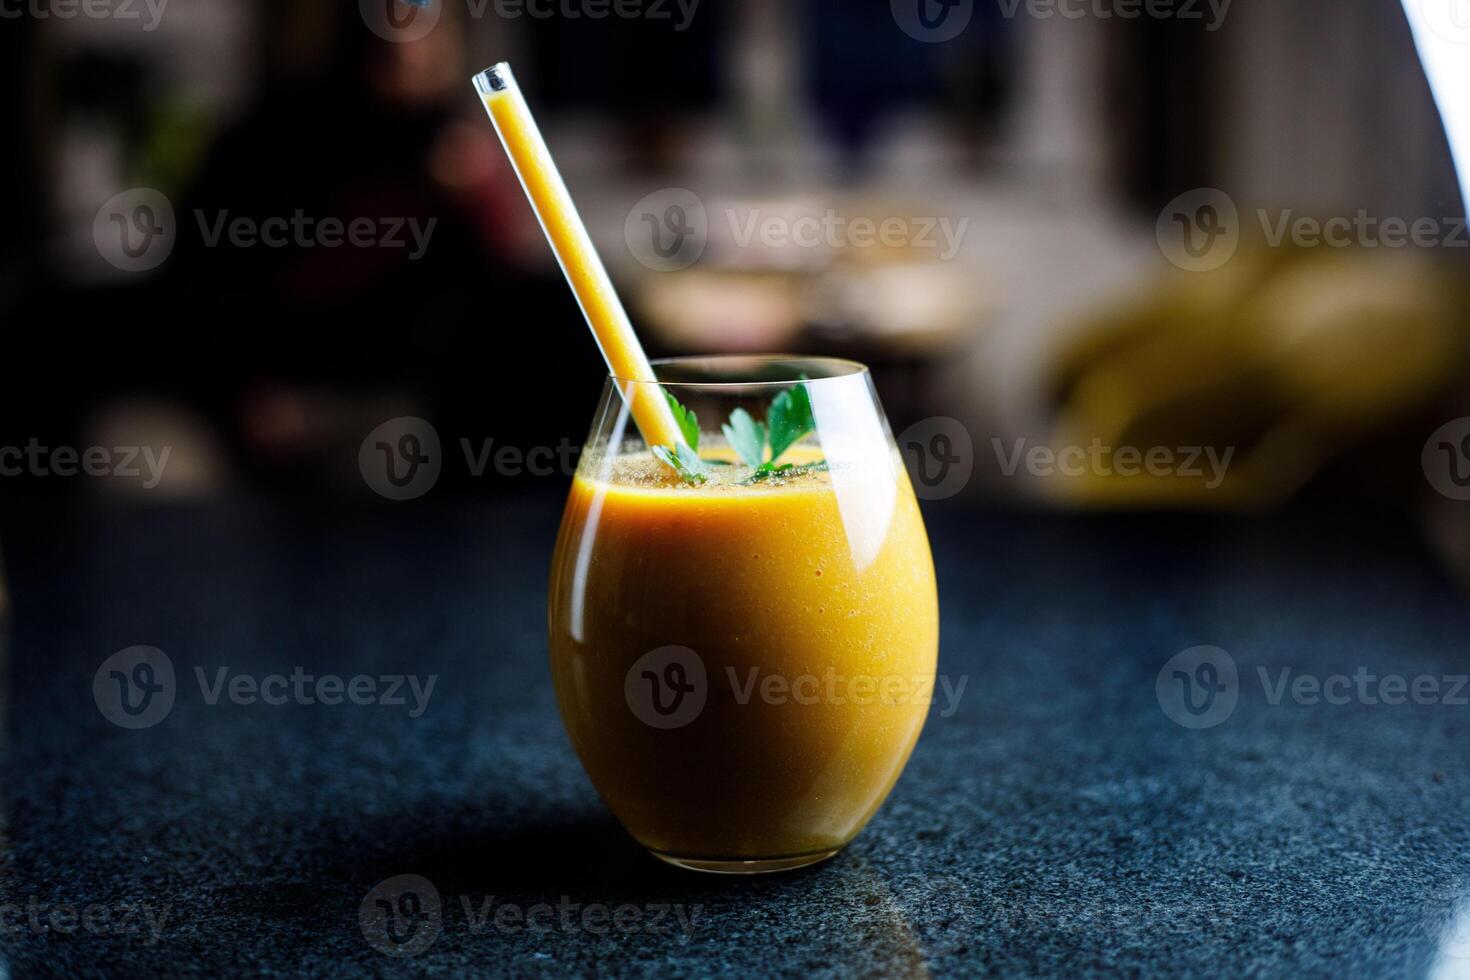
(764, 866)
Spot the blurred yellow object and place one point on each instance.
(1286, 357)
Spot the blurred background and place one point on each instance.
(1082, 240)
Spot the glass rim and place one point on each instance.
(834, 368)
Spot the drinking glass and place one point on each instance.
(743, 647)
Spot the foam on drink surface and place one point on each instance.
(726, 473)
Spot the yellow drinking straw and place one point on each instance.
(574, 251)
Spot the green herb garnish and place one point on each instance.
(684, 461)
(788, 420)
(746, 436)
(687, 420)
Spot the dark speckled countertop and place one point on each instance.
(1057, 823)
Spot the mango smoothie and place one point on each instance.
(809, 653)
(743, 637)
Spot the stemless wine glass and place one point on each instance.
(744, 631)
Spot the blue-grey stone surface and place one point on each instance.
(1059, 823)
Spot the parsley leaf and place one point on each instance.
(746, 436)
(684, 461)
(789, 418)
(687, 420)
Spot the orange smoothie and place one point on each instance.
(743, 640)
(809, 607)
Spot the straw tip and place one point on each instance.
(496, 78)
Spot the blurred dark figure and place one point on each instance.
(303, 348)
